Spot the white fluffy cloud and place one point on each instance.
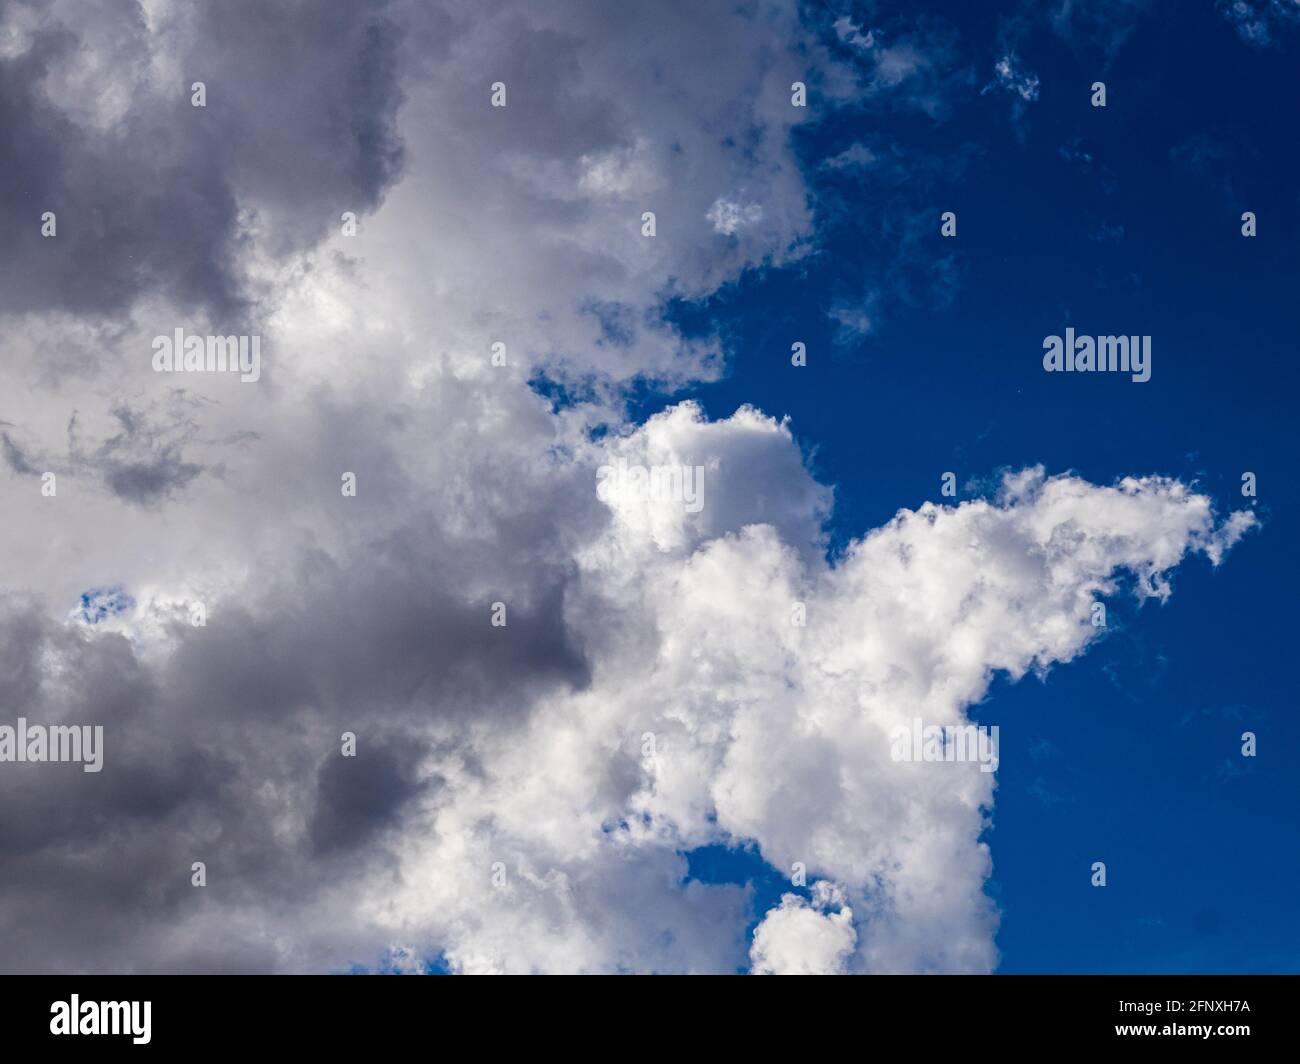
(797, 938)
(771, 733)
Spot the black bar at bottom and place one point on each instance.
(342, 1013)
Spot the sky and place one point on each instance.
(591, 730)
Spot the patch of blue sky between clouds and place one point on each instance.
(742, 865)
(99, 604)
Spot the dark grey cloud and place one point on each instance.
(15, 457)
(299, 126)
(237, 732)
(357, 799)
(142, 463)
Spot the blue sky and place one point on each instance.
(1124, 219)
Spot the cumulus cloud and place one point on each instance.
(524, 794)
(797, 938)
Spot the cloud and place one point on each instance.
(327, 614)
(1261, 22)
(797, 938)
(908, 67)
(154, 196)
(1220, 159)
(853, 321)
(851, 34)
(1010, 76)
(1097, 24)
(478, 747)
(856, 156)
(523, 795)
(729, 216)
